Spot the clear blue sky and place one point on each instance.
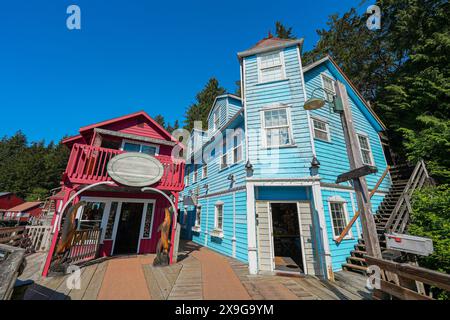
(130, 55)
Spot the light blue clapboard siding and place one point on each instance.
(333, 155)
(288, 162)
(236, 228)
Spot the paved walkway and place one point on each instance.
(200, 274)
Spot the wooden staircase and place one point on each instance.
(394, 211)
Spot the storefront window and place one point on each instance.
(111, 219)
(92, 215)
(148, 221)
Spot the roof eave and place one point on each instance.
(251, 52)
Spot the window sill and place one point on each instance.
(217, 233)
(346, 238)
(260, 83)
(196, 229)
(280, 147)
(321, 140)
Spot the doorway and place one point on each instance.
(128, 230)
(288, 256)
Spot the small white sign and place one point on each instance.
(410, 244)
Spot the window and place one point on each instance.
(148, 223)
(339, 218)
(271, 67)
(140, 147)
(328, 85)
(321, 130)
(364, 147)
(186, 179)
(276, 126)
(111, 220)
(219, 217)
(237, 149)
(198, 216)
(92, 215)
(204, 171)
(216, 119)
(223, 157)
(195, 176)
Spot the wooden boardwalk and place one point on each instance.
(200, 274)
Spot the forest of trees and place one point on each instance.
(402, 70)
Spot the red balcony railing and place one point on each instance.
(88, 165)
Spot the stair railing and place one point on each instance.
(355, 217)
(399, 217)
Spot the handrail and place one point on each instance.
(398, 220)
(355, 217)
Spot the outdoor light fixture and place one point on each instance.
(231, 177)
(315, 103)
(206, 186)
(249, 168)
(315, 165)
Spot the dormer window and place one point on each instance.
(328, 86)
(216, 120)
(271, 67)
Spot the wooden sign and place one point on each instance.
(135, 169)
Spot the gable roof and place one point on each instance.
(268, 44)
(353, 92)
(2, 194)
(25, 206)
(226, 95)
(119, 119)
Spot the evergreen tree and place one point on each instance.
(160, 120)
(199, 110)
(283, 32)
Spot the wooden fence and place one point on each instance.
(12, 236)
(31, 238)
(400, 279)
(85, 246)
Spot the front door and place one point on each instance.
(286, 237)
(129, 228)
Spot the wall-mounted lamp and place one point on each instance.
(315, 103)
(249, 167)
(206, 186)
(315, 165)
(231, 178)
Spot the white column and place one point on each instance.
(251, 230)
(318, 204)
(234, 227)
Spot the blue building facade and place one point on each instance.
(252, 191)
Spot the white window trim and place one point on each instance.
(283, 67)
(365, 135)
(216, 117)
(324, 75)
(205, 166)
(240, 144)
(141, 144)
(195, 174)
(198, 222)
(327, 128)
(216, 216)
(338, 199)
(263, 125)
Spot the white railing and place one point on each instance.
(39, 237)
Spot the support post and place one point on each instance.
(251, 230)
(362, 194)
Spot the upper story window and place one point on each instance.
(195, 175)
(321, 130)
(223, 157)
(205, 171)
(237, 149)
(216, 120)
(364, 147)
(276, 125)
(328, 86)
(198, 216)
(140, 147)
(339, 218)
(271, 66)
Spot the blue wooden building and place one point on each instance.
(261, 183)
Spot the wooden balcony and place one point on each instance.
(88, 165)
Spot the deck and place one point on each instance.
(200, 274)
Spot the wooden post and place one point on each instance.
(359, 183)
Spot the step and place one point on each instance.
(363, 260)
(358, 252)
(354, 266)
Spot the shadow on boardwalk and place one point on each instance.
(199, 274)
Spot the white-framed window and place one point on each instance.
(186, 179)
(92, 214)
(364, 148)
(328, 86)
(195, 174)
(198, 216)
(271, 66)
(216, 120)
(276, 125)
(131, 146)
(148, 221)
(223, 162)
(237, 149)
(218, 216)
(339, 217)
(321, 129)
(204, 171)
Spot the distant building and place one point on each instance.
(23, 212)
(8, 200)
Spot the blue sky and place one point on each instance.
(130, 55)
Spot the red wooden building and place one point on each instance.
(23, 212)
(8, 200)
(127, 216)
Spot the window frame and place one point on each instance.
(281, 64)
(289, 126)
(237, 145)
(343, 203)
(140, 146)
(364, 135)
(198, 217)
(205, 171)
(327, 129)
(195, 174)
(324, 76)
(216, 118)
(216, 216)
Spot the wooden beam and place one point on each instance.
(356, 173)
(400, 292)
(354, 156)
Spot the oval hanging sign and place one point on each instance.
(135, 169)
